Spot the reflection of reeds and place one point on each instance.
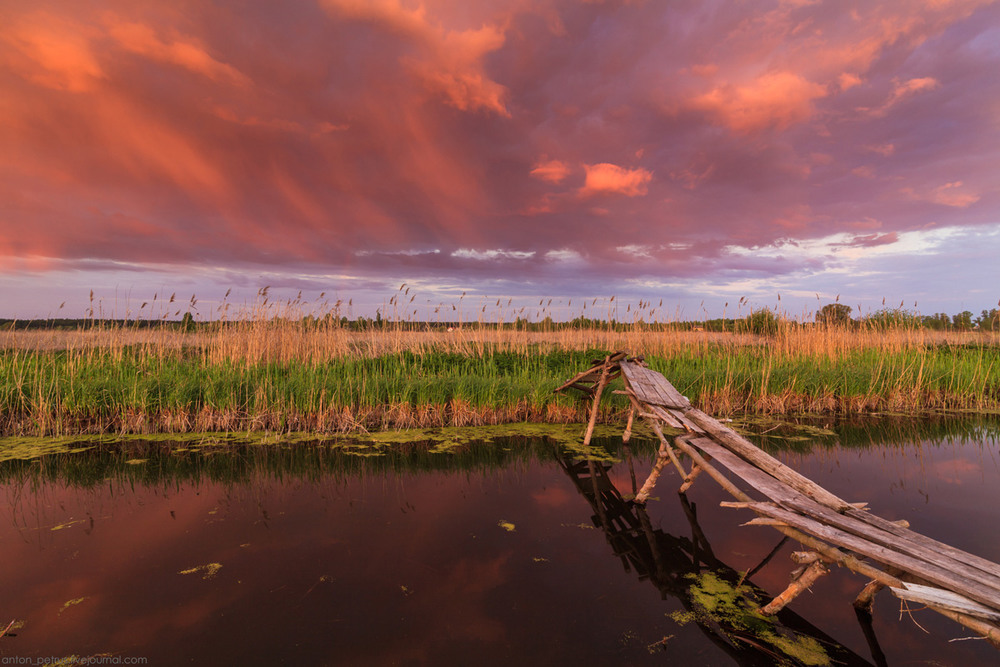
(295, 366)
(145, 463)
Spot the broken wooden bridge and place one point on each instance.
(917, 568)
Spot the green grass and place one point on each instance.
(133, 389)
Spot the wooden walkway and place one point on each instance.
(914, 567)
(673, 564)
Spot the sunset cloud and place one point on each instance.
(186, 53)
(773, 100)
(449, 62)
(903, 90)
(953, 194)
(358, 143)
(552, 171)
(52, 52)
(605, 178)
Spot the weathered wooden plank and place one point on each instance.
(781, 494)
(639, 381)
(669, 396)
(636, 382)
(688, 424)
(747, 450)
(897, 543)
(944, 599)
(677, 400)
(652, 387)
(987, 567)
(932, 573)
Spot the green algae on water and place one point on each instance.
(738, 615)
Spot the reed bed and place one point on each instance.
(285, 374)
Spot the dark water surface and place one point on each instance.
(494, 555)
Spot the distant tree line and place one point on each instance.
(762, 321)
(837, 314)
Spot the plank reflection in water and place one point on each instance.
(722, 601)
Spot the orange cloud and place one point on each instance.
(605, 178)
(141, 39)
(773, 100)
(552, 171)
(449, 62)
(53, 52)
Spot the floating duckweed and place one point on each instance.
(71, 603)
(683, 617)
(210, 570)
(737, 614)
(71, 522)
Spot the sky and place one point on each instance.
(715, 156)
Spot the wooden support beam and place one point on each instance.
(803, 581)
(666, 453)
(643, 495)
(689, 480)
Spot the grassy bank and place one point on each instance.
(285, 376)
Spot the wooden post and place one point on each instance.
(627, 435)
(597, 401)
(866, 598)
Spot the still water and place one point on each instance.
(495, 554)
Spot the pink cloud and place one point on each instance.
(553, 171)
(848, 80)
(606, 178)
(773, 100)
(953, 194)
(902, 90)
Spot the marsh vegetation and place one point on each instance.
(277, 372)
